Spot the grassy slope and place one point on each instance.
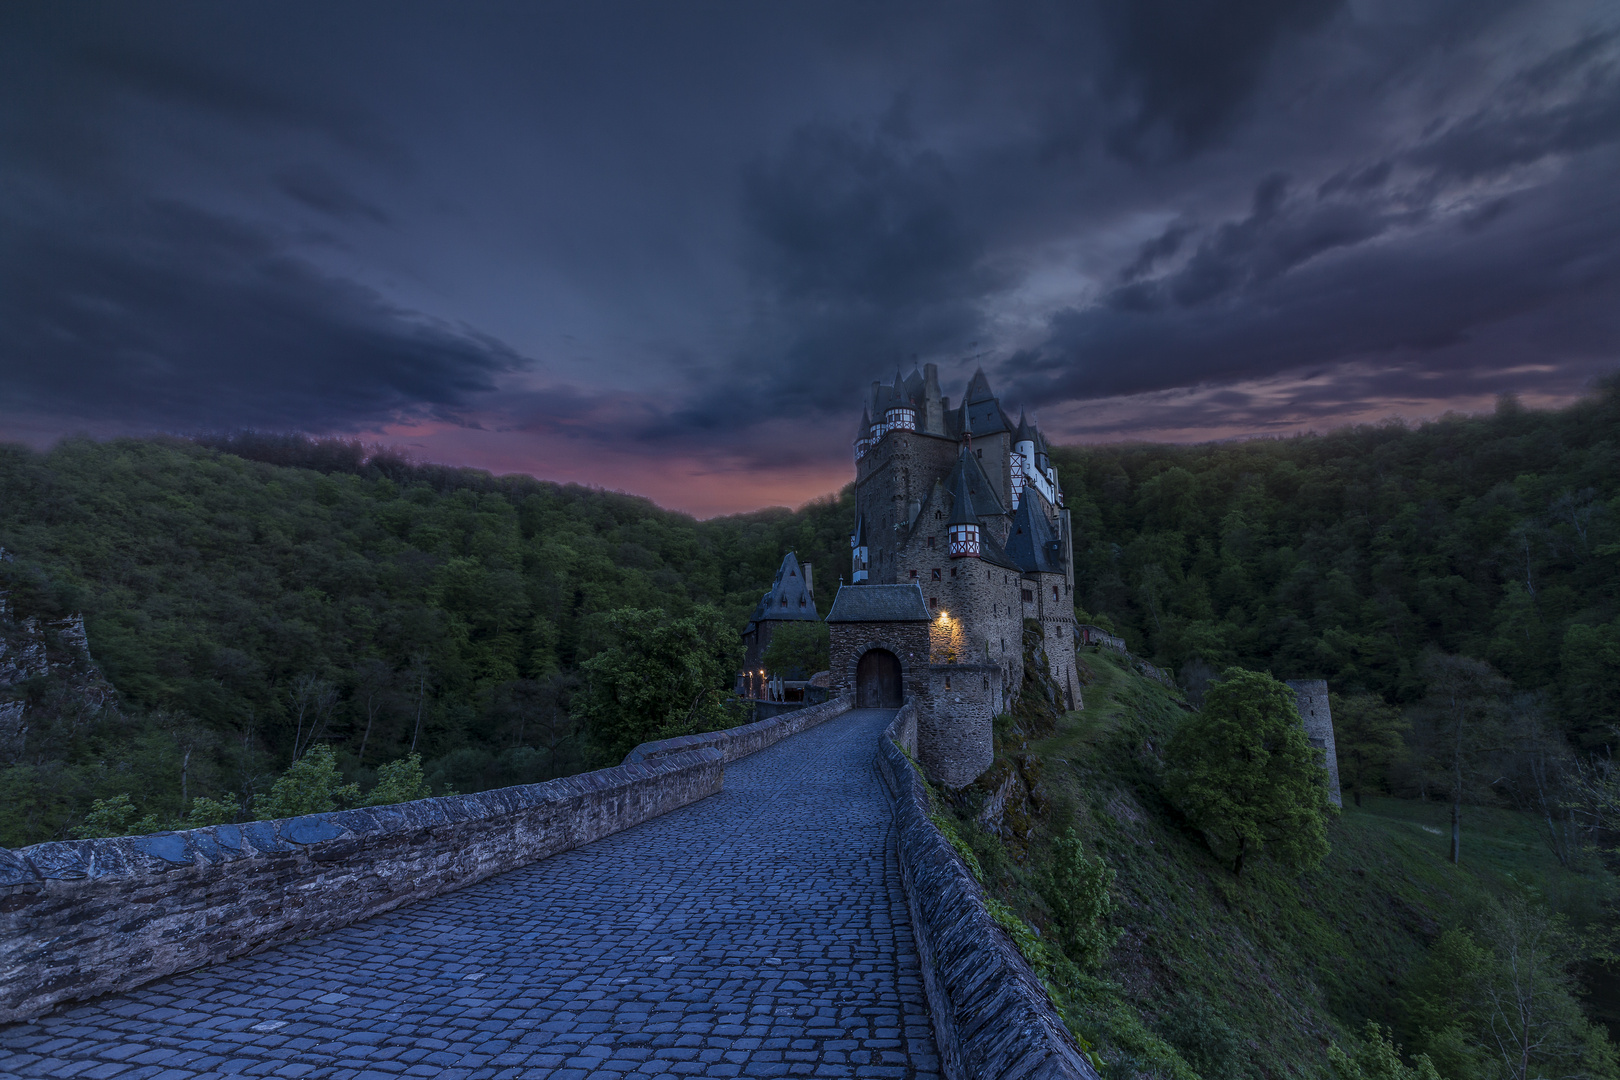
(1290, 961)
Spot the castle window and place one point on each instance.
(933, 601)
(979, 453)
(939, 515)
(1054, 592)
(936, 573)
(1029, 597)
(914, 575)
(947, 682)
(964, 542)
(901, 419)
(953, 571)
(986, 679)
(930, 543)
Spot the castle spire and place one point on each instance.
(963, 524)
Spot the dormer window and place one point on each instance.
(964, 541)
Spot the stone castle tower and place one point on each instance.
(960, 535)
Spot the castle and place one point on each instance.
(960, 536)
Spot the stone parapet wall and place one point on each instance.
(739, 742)
(992, 1017)
(88, 917)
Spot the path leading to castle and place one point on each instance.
(761, 932)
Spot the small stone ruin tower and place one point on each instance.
(1312, 698)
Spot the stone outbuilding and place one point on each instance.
(791, 598)
(887, 644)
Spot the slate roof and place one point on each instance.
(879, 603)
(1028, 545)
(787, 598)
(985, 501)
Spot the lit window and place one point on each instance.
(901, 419)
(964, 542)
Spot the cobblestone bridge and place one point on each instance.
(761, 932)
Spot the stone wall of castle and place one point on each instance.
(956, 722)
(908, 641)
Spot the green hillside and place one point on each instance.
(441, 606)
(1250, 976)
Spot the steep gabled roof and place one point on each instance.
(879, 603)
(1032, 543)
(986, 503)
(978, 389)
(962, 512)
(787, 598)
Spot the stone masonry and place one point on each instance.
(761, 932)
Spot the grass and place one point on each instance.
(1291, 962)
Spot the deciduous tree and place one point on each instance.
(1243, 772)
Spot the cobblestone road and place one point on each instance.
(761, 932)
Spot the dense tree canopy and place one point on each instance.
(1344, 556)
(1244, 774)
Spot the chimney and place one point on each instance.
(809, 584)
(933, 406)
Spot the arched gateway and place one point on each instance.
(877, 681)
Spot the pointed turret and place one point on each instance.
(963, 524)
(858, 551)
(863, 437)
(1025, 433)
(978, 389)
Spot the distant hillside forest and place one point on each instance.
(252, 596)
(1346, 556)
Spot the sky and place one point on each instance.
(662, 248)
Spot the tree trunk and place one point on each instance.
(1456, 828)
(421, 689)
(371, 714)
(185, 765)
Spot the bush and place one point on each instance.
(1076, 893)
(311, 785)
(1205, 1040)
(397, 782)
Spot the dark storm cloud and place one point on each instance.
(1183, 68)
(861, 260)
(163, 315)
(718, 225)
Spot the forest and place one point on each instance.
(253, 595)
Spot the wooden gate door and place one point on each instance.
(877, 681)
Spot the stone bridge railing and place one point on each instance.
(87, 917)
(992, 1017)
